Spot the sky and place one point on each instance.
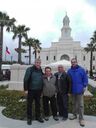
(45, 19)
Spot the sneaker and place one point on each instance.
(40, 120)
(29, 121)
(64, 118)
(46, 118)
(73, 117)
(55, 118)
(82, 123)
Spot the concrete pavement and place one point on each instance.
(90, 122)
(92, 83)
(4, 82)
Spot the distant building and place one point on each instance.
(66, 48)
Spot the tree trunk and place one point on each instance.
(29, 54)
(35, 54)
(19, 51)
(91, 64)
(1, 47)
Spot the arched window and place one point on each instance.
(64, 57)
(54, 58)
(93, 57)
(84, 58)
(47, 58)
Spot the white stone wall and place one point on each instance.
(70, 48)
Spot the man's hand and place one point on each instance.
(26, 92)
(69, 94)
(84, 89)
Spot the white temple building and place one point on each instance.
(66, 48)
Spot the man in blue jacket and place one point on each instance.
(79, 82)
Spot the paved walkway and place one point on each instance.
(92, 83)
(90, 122)
(4, 82)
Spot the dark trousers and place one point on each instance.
(52, 103)
(62, 101)
(33, 95)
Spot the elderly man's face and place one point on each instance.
(38, 64)
(60, 69)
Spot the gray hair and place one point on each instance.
(37, 60)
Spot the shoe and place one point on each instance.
(82, 123)
(73, 117)
(55, 118)
(46, 118)
(64, 118)
(40, 120)
(29, 121)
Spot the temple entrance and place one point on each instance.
(65, 57)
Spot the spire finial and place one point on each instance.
(66, 13)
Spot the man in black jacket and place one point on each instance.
(33, 85)
(63, 88)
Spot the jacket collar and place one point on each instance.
(76, 67)
(36, 67)
(46, 76)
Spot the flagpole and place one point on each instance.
(5, 55)
(6, 52)
(11, 59)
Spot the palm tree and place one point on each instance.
(21, 32)
(5, 21)
(36, 47)
(91, 47)
(29, 42)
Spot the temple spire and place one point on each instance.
(66, 30)
(66, 20)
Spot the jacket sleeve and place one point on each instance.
(69, 81)
(26, 79)
(85, 78)
(56, 81)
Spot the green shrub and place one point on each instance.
(90, 106)
(92, 90)
(17, 110)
